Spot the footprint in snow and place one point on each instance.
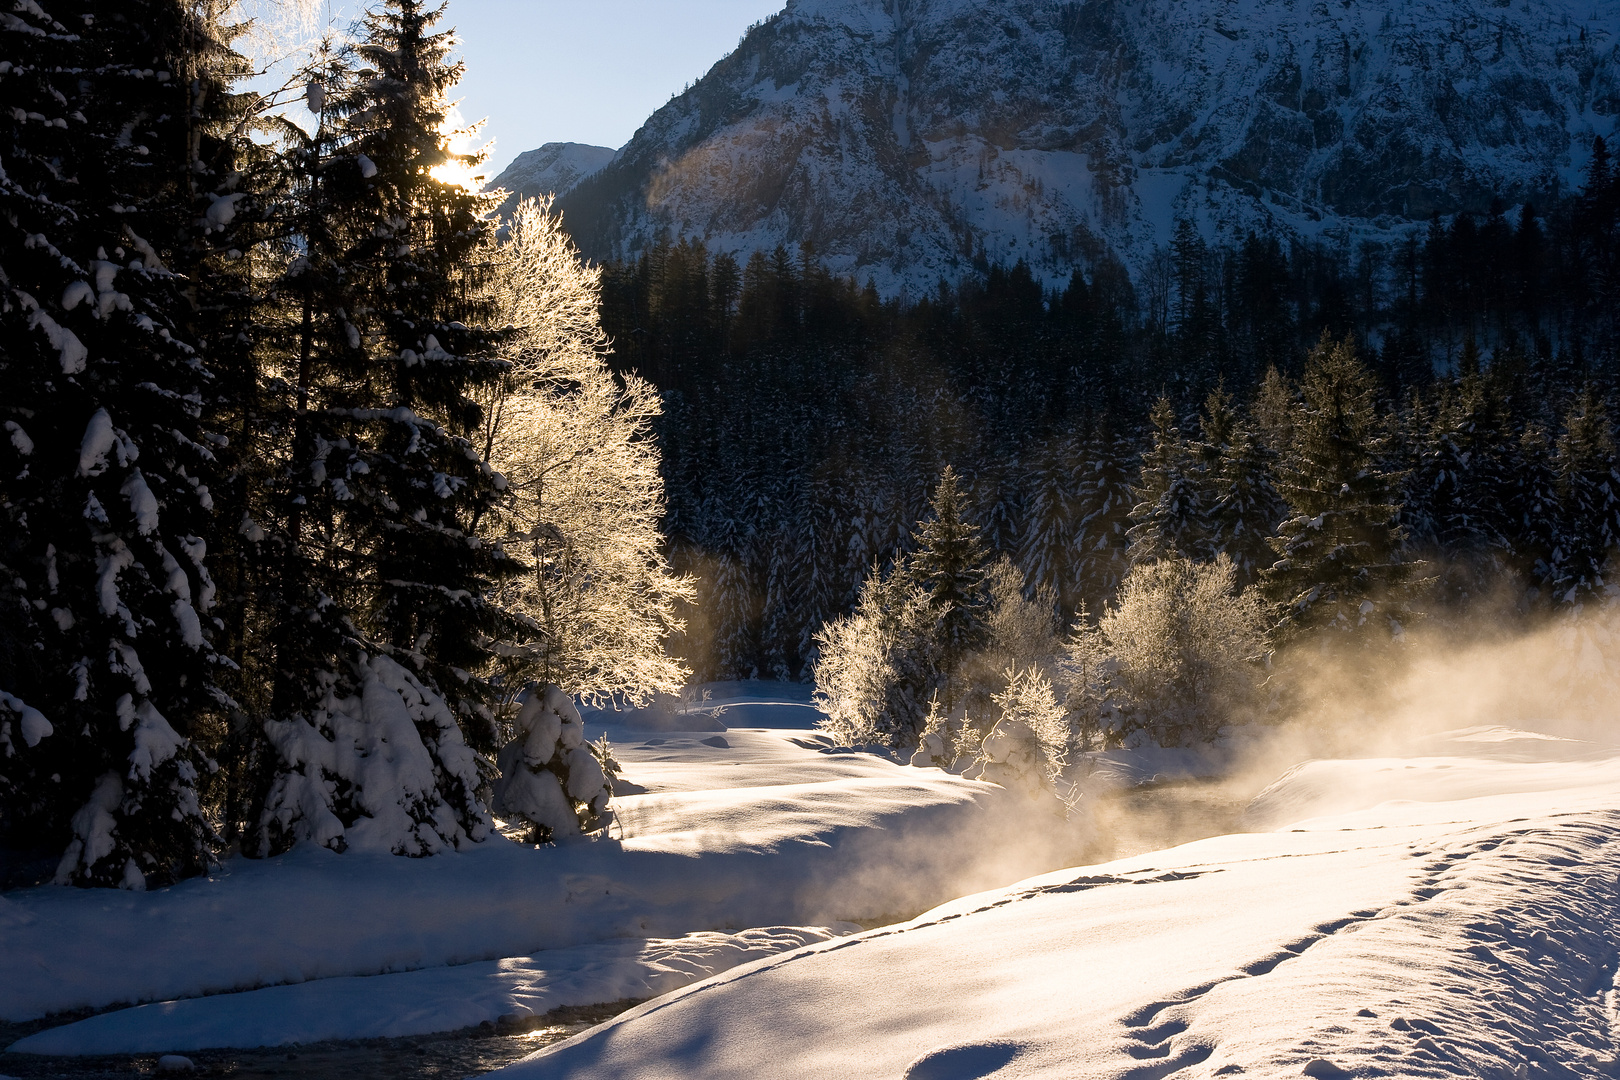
(968, 1062)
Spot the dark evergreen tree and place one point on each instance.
(1338, 561)
(1047, 553)
(1460, 488)
(1171, 515)
(108, 509)
(1245, 508)
(1104, 516)
(1589, 504)
(1531, 514)
(950, 565)
(385, 631)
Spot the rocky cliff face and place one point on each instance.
(908, 140)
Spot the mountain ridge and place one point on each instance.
(911, 140)
(555, 168)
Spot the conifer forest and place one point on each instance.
(1460, 383)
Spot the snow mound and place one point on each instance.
(1469, 940)
(1469, 763)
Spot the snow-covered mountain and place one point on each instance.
(907, 139)
(553, 169)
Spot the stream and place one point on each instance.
(1129, 822)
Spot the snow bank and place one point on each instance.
(420, 1002)
(1463, 936)
(740, 829)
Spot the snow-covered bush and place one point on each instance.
(1028, 747)
(380, 765)
(1021, 627)
(1174, 658)
(551, 776)
(878, 665)
(948, 740)
(1019, 632)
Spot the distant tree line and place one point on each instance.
(807, 419)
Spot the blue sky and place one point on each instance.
(586, 71)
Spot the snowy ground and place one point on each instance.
(1450, 912)
(732, 826)
(1446, 908)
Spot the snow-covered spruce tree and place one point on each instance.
(733, 598)
(825, 544)
(1339, 564)
(1171, 515)
(1460, 482)
(1103, 511)
(1589, 504)
(1047, 548)
(105, 492)
(950, 565)
(1531, 517)
(385, 632)
(1183, 644)
(1242, 485)
(37, 157)
(878, 666)
(550, 777)
(584, 493)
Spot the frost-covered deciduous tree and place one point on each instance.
(1028, 747)
(879, 665)
(584, 496)
(1019, 631)
(1174, 659)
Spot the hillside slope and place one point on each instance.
(907, 140)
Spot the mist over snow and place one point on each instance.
(908, 140)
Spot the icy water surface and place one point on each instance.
(449, 1056)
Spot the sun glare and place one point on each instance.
(461, 139)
